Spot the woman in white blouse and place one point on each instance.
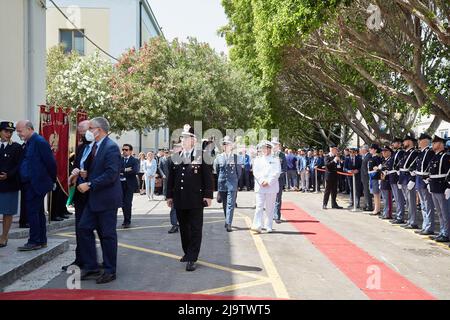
(150, 168)
(141, 173)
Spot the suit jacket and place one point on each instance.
(78, 196)
(189, 183)
(163, 166)
(130, 176)
(103, 174)
(42, 164)
(228, 172)
(364, 167)
(331, 168)
(9, 163)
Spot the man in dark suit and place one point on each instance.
(38, 177)
(163, 168)
(332, 165)
(189, 190)
(366, 156)
(128, 173)
(352, 164)
(78, 176)
(104, 199)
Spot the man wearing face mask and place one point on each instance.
(104, 199)
(77, 177)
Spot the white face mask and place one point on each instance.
(89, 136)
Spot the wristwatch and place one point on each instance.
(89, 184)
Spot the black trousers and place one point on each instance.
(191, 228)
(127, 202)
(79, 204)
(331, 188)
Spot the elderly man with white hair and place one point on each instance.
(266, 170)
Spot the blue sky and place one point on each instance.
(197, 18)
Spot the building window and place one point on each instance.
(72, 40)
(443, 133)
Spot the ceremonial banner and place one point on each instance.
(54, 127)
(81, 116)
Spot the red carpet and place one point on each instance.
(351, 260)
(64, 294)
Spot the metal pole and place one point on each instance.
(354, 193)
(317, 187)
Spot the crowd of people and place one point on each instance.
(407, 172)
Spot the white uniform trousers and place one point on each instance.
(264, 219)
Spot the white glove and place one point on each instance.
(429, 188)
(54, 187)
(413, 173)
(447, 193)
(411, 185)
(380, 166)
(399, 186)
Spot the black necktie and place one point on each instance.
(2, 148)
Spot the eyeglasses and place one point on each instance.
(125, 149)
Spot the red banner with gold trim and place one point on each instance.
(54, 127)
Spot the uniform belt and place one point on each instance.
(373, 171)
(392, 171)
(420, 173)
(438, 176)
(404, 170)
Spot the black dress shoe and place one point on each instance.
(441, 239)
(397, 222)
(89, 275)
(31, 247)
(64, 268)
(425, 233)
(126, 226)
(174, 229)
(56, 219)
(278, 221)
(183, 259)
(337, 207)
(324, 207)
(412, 227)
(2, 245)
(191, 266)
(229, 228)
(106, 277)
(375, 214)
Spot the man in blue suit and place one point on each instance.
(352, 164)
(38, 177)
(104, 199)
(128, 172)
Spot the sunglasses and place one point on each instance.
(125, 149)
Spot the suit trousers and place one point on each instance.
(387, 203)
(191, 228)
(278, 201)
(367, 195)
(427, 207)
(443, 212)
(304, 180)
(173, 217)
(261, 220)
(34, 205)
(399, 201)
(410, 197)
(228, 204)
(331, 188)
(105, 223)
(127, 202)
(79, 204)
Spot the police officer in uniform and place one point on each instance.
(406, 166)
(228, 168)
(189, 190)
(417, 180)
(10, 155)
(393, 174)
(438, 186)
